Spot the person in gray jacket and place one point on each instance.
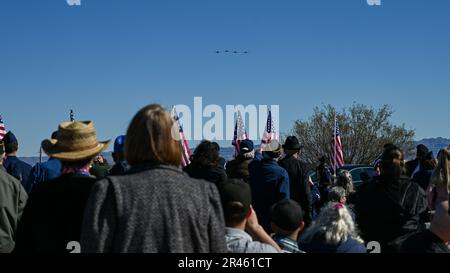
(12, 202)
(154, 207)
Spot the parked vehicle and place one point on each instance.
(355, 171)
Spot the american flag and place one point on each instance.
(269, 133)
(239, 133)
(186, 152)
(2, 129)
(337, 156)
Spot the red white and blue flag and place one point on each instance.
(269, 133)
(2, 129)
(337, 155)
(239, 134)
(186, 152)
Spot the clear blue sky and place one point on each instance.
(107, 58)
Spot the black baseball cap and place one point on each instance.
(236, 190)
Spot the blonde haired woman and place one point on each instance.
(334, 231)
(437, 238)
(440, 178)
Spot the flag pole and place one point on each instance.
(335, 144)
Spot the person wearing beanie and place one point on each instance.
(12, 201)
(121, 165)
(13, 165)
(269, 182)
(287, 224)
(298, 176)
(238, 167)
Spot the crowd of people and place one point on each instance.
(262, 201)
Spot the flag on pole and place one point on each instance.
(186, 152)
(337, 158)
(2, 129)
(239, 134)
(269, 133)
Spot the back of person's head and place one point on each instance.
(292, 145)
(206, 155)
(334, 223)
(75, 145)
(119, 147)
(236, 199)
(392, 163)
(246, 149)
(345, 180)
(119, 144)
(286, 217)
(11, 143)
(216, 145)
(422, 151)
(272, 150)
(428, 162)
(150, 138)
(323, 159)
(337, 194)
(388, 145)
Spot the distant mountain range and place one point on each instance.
(434, 144)
(225, 152)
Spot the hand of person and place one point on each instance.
(252, 222)
(440, 224)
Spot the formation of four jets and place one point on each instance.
(231, 51)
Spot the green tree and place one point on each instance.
(364, 132)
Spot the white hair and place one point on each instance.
(249, 155)
(335, 224)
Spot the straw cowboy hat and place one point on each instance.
(74, 141)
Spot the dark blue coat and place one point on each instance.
(17, 168)
(42, 172)
(269, 184)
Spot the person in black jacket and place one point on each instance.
(205, 164)
(388, 210)
(52, 218)
(300, 190)
(238, 167)
(437, 238)
(427, 164)
(413, 166)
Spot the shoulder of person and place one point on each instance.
(259, 247)
(8, 179)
